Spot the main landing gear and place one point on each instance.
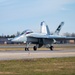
(34, 48)
(51, 48)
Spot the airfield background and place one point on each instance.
(7, 41)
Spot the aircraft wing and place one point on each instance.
(38, 36)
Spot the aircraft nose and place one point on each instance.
(21, 38)
(14, 40)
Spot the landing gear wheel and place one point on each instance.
(51, 48)
(34, 48)
(26, 49)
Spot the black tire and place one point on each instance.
(35, 48)
(26, 49)
(51, 48)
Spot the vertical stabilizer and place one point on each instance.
(59, 28)
(44, 28)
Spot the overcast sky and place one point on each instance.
(18, 15)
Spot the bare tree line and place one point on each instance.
(69, 34)
(18, 33)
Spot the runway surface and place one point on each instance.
(23, 46)
(15, 55)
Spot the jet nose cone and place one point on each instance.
(21, 38)
(14, 40)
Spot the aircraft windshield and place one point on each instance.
(26, 32)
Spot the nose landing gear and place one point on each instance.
(26, 49)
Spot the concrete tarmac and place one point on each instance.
(16, 55)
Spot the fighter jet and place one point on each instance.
(44, 38)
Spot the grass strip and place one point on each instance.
(45, 66)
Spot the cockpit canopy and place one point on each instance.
(27, 32)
